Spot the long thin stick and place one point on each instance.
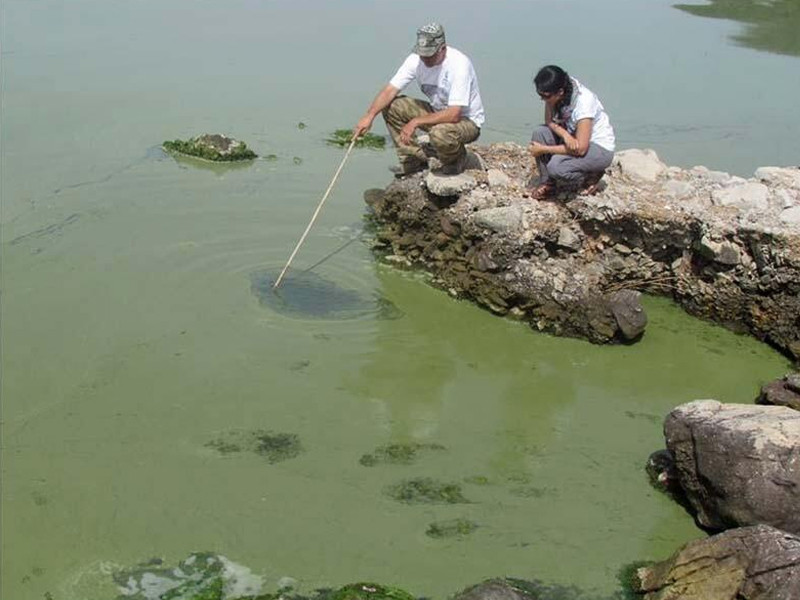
(314, 217)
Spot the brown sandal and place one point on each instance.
(542, 191)
(592, 187)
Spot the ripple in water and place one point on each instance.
(305, 294)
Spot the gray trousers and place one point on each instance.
(566, 171)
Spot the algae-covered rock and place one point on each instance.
(370, 591)
(201, 576)
(275, 447)
(520, 589)
(758, 562)
(424, 490)
(452, 528)
(397, 454)
(213, 147)
(343, 137)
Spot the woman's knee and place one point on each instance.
(542, 135)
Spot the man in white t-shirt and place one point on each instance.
(453, 117)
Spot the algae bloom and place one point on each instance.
(213, 147)
(343, 137)
(275, 447)
(424, 490)
(397, 454)
(451, 528)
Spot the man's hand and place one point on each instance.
(536, 149)
(407, 132)
(363, 126)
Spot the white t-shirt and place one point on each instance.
(586, 105)
(452, 83)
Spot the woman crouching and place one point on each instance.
(576, 144)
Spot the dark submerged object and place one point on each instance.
(306, 294)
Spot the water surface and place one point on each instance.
(137, 341)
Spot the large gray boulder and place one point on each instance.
(750, 563)
(738, 464)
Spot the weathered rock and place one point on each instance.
(747, 196)
(627, 308)
(791, 216)
(493, 589)
(782, 392)
(640, 164)
(738, 464)
(751, 563)
(501, 219)
(498, 179)
(788, 177)
(567, 238)
(449, 185)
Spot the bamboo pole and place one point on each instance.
(314, 216)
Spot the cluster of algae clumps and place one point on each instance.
(275, 447)
(215, 147)
(343, 137)
(397, 454)
(424, 490)
(451, 528)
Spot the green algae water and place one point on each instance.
(158, 401)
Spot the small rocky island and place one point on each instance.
(725, 248)
(211, 146)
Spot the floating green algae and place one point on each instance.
(343, 137)
(213, 147)
(425, 490)
(397, 454)
(451, 528)
(275, 447)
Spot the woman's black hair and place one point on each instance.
(551, 79)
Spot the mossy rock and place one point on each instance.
(370, 591)
(343, 137)
(213, 147)
(275, 447)
(424, 490)
(452, 528)
(397, 454)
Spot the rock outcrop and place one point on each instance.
(750, 563)
(782, 392)
(738, 465)
(727, 249)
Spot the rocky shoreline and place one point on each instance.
(726, 249)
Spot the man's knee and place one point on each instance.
(444, 136)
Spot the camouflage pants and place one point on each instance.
(447, 139)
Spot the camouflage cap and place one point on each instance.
(429, 39)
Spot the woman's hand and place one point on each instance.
(536, 149)
(571, 144)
